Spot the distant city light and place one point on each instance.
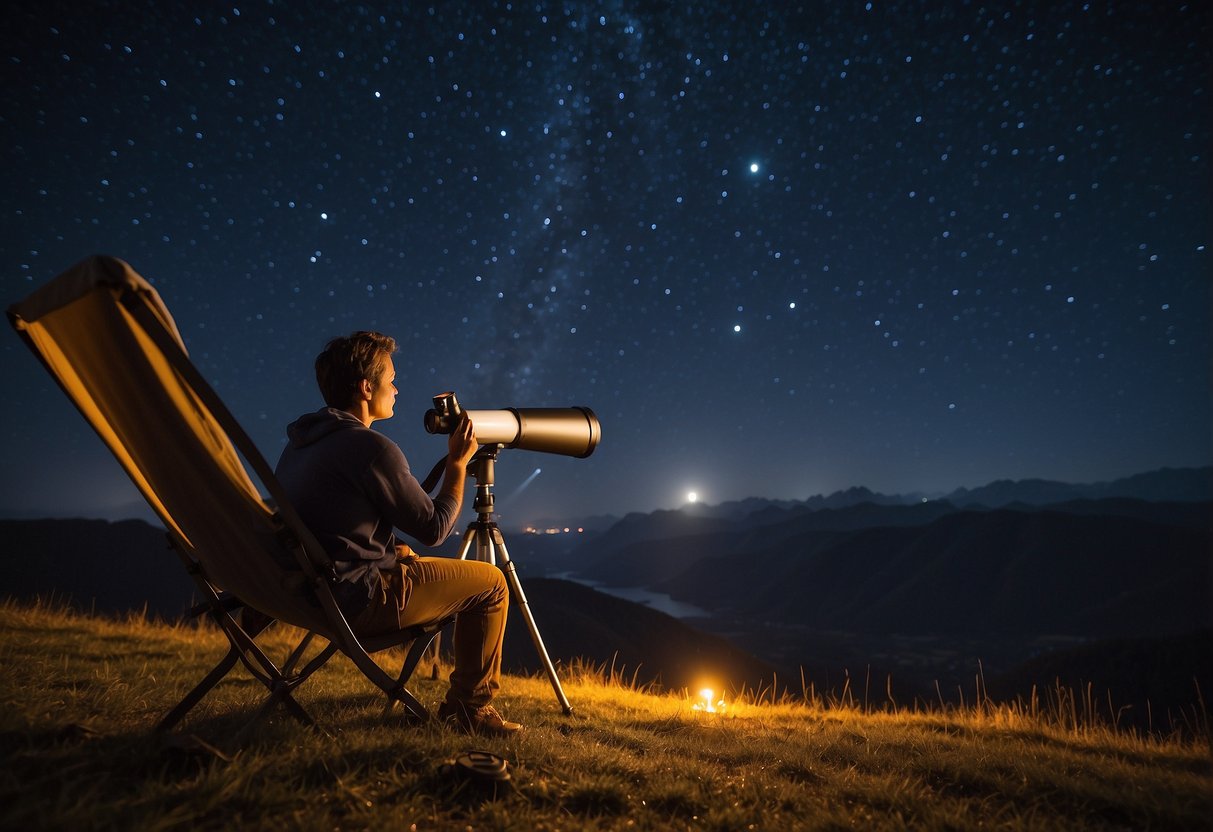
(553, 530)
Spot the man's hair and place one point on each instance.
(346, 361)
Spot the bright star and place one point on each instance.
(754, 167)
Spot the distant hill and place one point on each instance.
(928, 593)
(974, 572)
(1164, 485)
(116, 568)
(94, 565)
(576, 621)
(1176, 485)
(923, 589)
(661, 525)
(646, 549)
(1192, 484)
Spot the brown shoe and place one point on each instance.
(482, 721)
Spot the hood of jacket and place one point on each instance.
(312, 427)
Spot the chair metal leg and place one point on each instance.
(413, 708)
(200, 690)
(281, 693)
(297, 654)
(281, 684)
(415, 654)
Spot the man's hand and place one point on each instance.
(461, 444)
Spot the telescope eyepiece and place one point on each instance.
(444, 415)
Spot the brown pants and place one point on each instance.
(424, 590)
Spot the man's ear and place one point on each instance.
(365, 389)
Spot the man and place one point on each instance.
(352, 487)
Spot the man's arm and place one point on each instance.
(401, 499)
(461, 446)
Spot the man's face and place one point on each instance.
(383, 397)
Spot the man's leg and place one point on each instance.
(476, 592)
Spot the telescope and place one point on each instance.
(570, 431)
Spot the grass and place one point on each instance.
(79, 697)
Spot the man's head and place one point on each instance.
(347, 362)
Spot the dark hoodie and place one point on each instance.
(351, 486)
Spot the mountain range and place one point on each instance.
(1026, 583)
(1194, 484)
(928, 593)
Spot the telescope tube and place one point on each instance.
(569, 431)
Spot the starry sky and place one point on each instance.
(780, 251)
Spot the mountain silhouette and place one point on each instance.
(1175, 485)
(921, 589)
(928, 594)
(972, 572)
(95, 565)
(1163, 485)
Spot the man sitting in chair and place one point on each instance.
(352, 488)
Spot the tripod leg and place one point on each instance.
(511, 577)
(469, 537)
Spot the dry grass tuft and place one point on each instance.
(81, 694)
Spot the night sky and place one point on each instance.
(780, 252)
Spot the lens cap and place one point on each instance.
(482, 766)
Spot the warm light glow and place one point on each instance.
(707, 705)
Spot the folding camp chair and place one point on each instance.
(102, 331)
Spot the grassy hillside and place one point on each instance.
(80, 696)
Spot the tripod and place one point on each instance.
(484, 534)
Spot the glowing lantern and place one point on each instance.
(707, 705)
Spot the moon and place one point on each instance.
(692, 496)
